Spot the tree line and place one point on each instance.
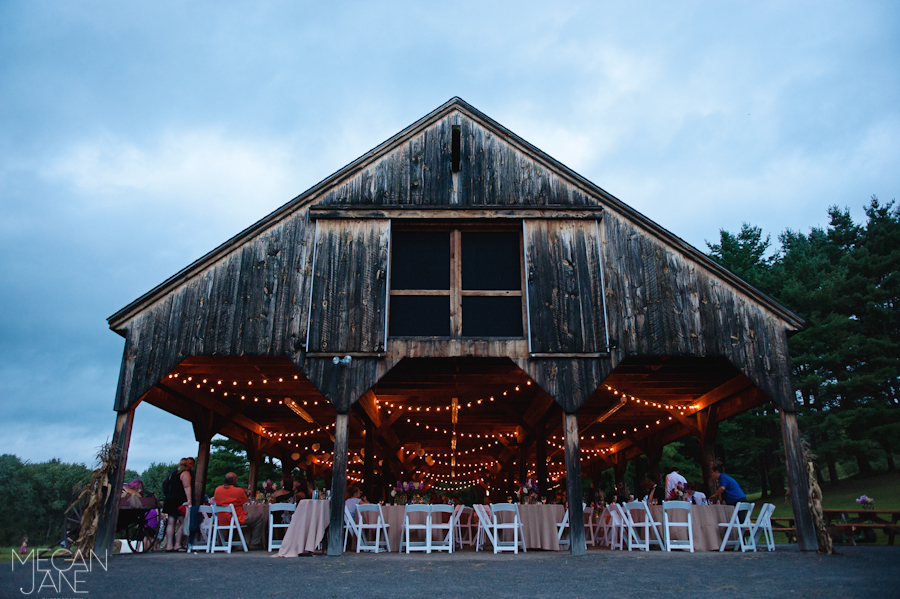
(844, 280)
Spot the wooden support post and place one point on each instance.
(523, 464)
(203, 434)
(253, 444)
(540, 457)
(577, 543)
(709, 426)
(621, 467)
(369, 463)
(338, 483)
(109, 512)
(798, 485)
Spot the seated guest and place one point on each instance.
(694, 496)
(283, 495)
(230, 494)
(655, 494)
(356, 497)
(301, 489)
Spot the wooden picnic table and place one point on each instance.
(848, 521)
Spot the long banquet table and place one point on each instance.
(539, 525)
(705, 521)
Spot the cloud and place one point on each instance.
(204, 172)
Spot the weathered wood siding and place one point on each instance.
(565, 296)
(253, 301)
(663, 303)
(492, 172)
(349, 290)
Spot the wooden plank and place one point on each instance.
(565, 298)
(455, 213)
(797, 482)
(109, 511)
(349, 293)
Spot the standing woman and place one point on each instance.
(178, 491)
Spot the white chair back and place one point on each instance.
(202, 541)
(349, 527)
(278, 513)
(365, 541)
(560, 529)
(763, 526)
(640, 528)
(485, 526)
(409, 526)
(670, 508)
(515, 526)
(465, 517)
(591, 526)
(219, 543)
(441, 533)
(743, 527)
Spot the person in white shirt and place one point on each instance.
(694, 496)
(672, 479)
(355, 499)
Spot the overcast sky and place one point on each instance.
(135, 137)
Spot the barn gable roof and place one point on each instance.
(589, 194)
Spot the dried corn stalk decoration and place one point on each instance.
(98, 490)
(815, 501)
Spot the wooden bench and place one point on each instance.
(786, 526)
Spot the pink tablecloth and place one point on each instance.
(705, 521)
(393, 517)
(307, 528)
(539, 525)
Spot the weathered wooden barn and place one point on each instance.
(456, 307)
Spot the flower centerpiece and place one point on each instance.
(407, 492)
(866, 503)
(528, 493)
(678, 492)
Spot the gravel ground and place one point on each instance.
(856, 572)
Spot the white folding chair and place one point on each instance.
(515, 526)
(616, 530)
(639, 530)
(485, 526)
(282, 509)
(743, 528)
(218, 541)
(441, 536)
(560, 529)
(591, 527)
(206, 528)
(670, 507)
(763, 526)
(349, 527)
(465, 517)
(381, 540)
(409, 526)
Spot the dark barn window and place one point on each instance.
(453, 283)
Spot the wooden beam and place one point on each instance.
(577, 543)
(109, 511)
(338, 483)
(798, 485)
(455, 213)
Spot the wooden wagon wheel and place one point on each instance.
(134, 534)
(72, 524)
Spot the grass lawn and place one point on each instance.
(6, 552)
(884, 488)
